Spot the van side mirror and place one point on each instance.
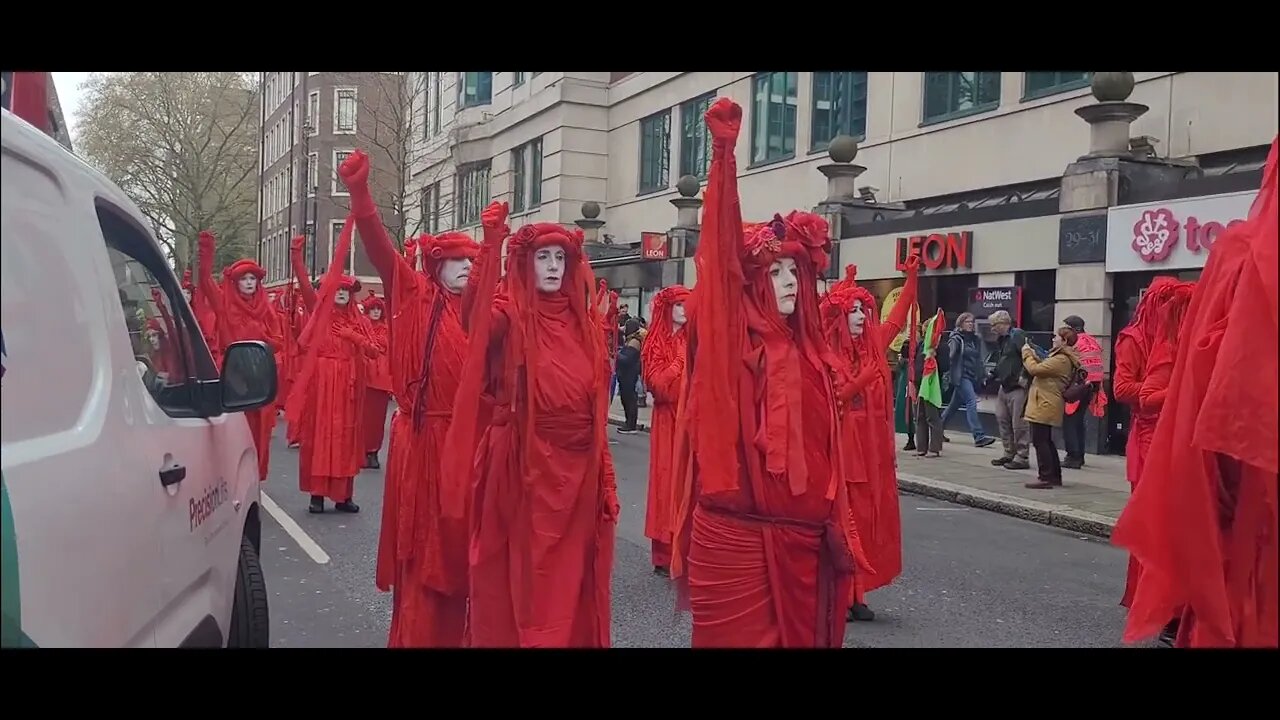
(248, 379)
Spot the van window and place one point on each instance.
(170, 354)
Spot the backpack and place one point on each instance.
(1077, 384)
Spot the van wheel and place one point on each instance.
(250, 620)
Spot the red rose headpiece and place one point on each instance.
(240, 268)
(539, 235)
(447, 246)
(808, 235)
(762, 242)
(373, 301)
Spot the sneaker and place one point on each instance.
(946, 439)
(1016, 464)
(983, 442)
(1073, 463)
(1001, 461)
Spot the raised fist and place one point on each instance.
(355, 169)
(297, 243)
(206, 240)
(913, 262)
(410, 242)
(494, 216)
(724, 119)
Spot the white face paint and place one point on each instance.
(677, 315)
(453, 274)
(549, 267)
(247, 283)
(785, 281)
(857, 319)
(186, 295)
(153, 337)
(342, 297)
(375, 313)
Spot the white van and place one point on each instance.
(131, 513)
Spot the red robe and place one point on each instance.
(206, 319)
(542, 527)
(328, 394)
(765, 545)
(1203, 521)
(422, 555)
(662, 359)
(867, 438)
(377, 394)
(243, 318)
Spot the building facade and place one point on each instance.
(310, 122)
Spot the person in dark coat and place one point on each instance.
(965, 350)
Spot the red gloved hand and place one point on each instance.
(913, 262)
(297, 243)
(494, 217)
(206, 241)
(355, 170)
(724, 120)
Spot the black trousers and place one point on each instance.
(1048, 467)
(928, 427)
(630, 401)
(1073, 428)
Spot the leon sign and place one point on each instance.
(949, 251)
(653, 246)
(1173, 234)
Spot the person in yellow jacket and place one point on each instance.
(1045, 403)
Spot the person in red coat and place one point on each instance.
(242, 313)
(378, 391)
(854, 332)
(422, 555)
(546, 506)
(1134, 346)
(1203, 520)
(662, 360)
(764, 544)
(328, 393)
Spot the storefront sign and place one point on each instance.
(1171, 235)
(937, 251)
(653, 246)
(1082, 239)
(985, 301)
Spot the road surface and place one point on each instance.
(972, 578)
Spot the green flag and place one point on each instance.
(930, 383)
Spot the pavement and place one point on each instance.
(971, 579)
(1089, 501)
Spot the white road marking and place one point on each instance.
(309, 546)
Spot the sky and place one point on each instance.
(68, 84)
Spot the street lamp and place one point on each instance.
(308, 202)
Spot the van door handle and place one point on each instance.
(173, 475)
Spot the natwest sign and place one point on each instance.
(1173, 234)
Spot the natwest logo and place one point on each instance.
(1158, 231)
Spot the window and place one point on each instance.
(949, 95)
(1042, 84)
(431, 208)
(435, 103)
(655, 151)
(517, 79)
(773, 120)
(313, 113)
(159, 325)
(313, 173)
(839, 107)
(338, 187)
(427, 96)
(344, 111)
(695, 141)
(471, 192)
(535, 173)
(335, 231)
(519, 179)
(474, 88)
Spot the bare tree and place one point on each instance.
(184, 145)
(392, 121)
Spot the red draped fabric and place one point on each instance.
(662, 360)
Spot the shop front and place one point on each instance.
(1171, 238)
(979, 268)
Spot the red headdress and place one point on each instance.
(240, 311)
(372, 301)
(186, 280)
(662, 344)
(836, 306)
(435, 249)
(1148, 317)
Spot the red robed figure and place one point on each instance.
(662, 359)
(378, 391)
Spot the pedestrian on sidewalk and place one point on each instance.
(870, 461)
(1011, 402)
(1049, 379)
(628, 370)
(929, 370)
(662, 361)
(1094, 401)
(965, 351)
